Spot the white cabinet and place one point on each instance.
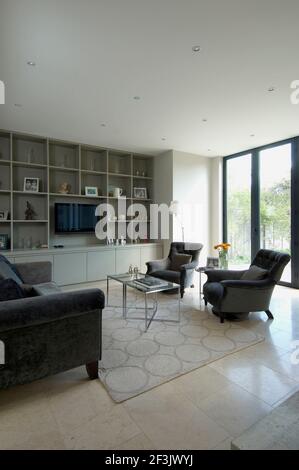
(33, 259)
(125, 257)
(150, 253)
(99, 264)
(69, 268)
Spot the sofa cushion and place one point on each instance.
(10, 290)
(7, 271)
(254, 273)
(178, 260)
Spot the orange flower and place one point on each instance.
(222, 246)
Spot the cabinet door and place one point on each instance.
(125, 257)
(99, 264)
(150, 253)
(69, 268)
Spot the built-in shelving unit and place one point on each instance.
(54, 163)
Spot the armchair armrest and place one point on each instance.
(158, 265)
(45, 309)
(218, 275)
(192, 265)
(35, 273)
(240, 284)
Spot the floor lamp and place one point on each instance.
(174, 209)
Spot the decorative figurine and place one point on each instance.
(64, 188)
(29, 212)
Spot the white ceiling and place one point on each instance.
(93, 56)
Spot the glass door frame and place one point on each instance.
(255, 201)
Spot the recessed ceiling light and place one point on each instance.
(209, 150)
(18, 105)
(31, 63)
(252, 135)
(204, 120)
(137, 98)
(195, 48)
(163, 138)
(271, 89)
(103, 125)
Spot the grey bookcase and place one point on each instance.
(56, 162)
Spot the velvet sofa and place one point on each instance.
(46, 334)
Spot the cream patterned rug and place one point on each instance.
(135, 361)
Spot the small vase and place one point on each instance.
(223, 259)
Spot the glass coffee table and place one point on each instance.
(128, 280)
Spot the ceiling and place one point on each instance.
(94, 56)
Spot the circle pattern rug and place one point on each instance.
(134, 361)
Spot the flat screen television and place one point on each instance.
(75, 218)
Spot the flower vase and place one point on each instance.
(223, 259)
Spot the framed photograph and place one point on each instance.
(4, 245)
(140, 193)
(3, 215)
(212, 262)
(91, 191)
(31, 185)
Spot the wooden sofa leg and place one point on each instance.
(93, 370)
(269, 314)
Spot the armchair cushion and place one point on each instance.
(168, 275)
(178, 260)
(254, 273)
(10, 290)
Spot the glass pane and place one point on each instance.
(239, 211)
(275, 201)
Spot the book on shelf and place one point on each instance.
(150, 282)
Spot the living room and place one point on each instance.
(149, 252)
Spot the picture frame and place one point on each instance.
(212, 262)
(3, 215)
(31, 185)
(91, 191)
(140, 193)
(4, 242)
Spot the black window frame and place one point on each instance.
(255, 201)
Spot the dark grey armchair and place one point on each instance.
(228, 293)
(162, 269)
(47, 334)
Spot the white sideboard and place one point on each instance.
(91, 263)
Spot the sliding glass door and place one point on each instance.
(261, 204)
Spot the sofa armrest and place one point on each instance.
(35, 273)
(218, 275)
(49, 308)
(158, 265)
(239, 284)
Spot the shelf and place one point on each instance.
(93, 172)
(124, 198)
(2, 221)
(28, 193)
(30, 221)
(141, 199)
(29, 165)
(149, 178)
(5, 162)
(121, 175)
(63, 168)
(5, 191)
(77, 195)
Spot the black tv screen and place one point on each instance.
(75, 218)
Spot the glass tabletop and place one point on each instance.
(130, 280)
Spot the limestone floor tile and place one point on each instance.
(224, 445)
(200, 384)
(140, 442)
(258, 379)
(34, 441)
(78, 404)
(234, 409)
(283, 339)
(171, 421)
(107, 430)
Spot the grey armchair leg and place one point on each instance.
(205, 301)
(269, 314)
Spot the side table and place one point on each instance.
(201, 270)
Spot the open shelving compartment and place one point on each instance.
(56, 162)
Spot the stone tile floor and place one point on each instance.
(204, 409)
